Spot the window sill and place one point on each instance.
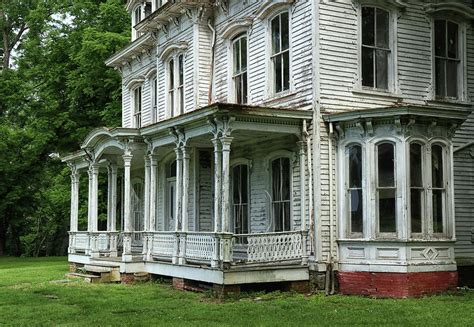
(279, 97)
(378, 93)
(448, 101)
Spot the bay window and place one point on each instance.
(280, 56)
(438, 187)
(375, 49)
(386, 188)
(354, 189)
(417, 188)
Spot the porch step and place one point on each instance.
(104, 263)
(94, 279)
(98, 269)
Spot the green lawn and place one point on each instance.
(29, 296)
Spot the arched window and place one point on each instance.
(170, 195)
(239, 68)
(175, 85)
(354, 189)
(376, 49)
(417, 188)
(280, 55)
(447, 58)
(240, 198)
(281, 194)
(386, 188)
(137, 107)
(438, 187)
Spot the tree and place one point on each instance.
(57, 90)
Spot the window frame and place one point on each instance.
(393, 87)
(377, 188)
(176, 91)
(462, 69)
(290, 178)
(271, 86)
(137, 115)
(347, 213)
(232, 89)
(247, 164)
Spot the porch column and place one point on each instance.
(178, 255)
(186, 151)
(304, 232)
(226, 237)
(217, 198)
(112, 209)
(93, 206)
(127, 228)
(225, 206)
(152, 228)
(74, 208)
(146, 193)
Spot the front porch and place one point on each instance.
(181, 204)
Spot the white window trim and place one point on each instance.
(392, 78)
(174, 55)
(270, 93)
(248, 163)
(462, 69)
(231, 96)
(268, 168)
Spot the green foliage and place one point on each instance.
(31, 297)
(59, 90)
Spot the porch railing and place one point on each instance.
(273, 247)
(200, 247)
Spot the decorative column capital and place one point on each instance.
(127, 159)
(186, 151)
(153, 159)
(226, 142)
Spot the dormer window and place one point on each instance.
(447, 59)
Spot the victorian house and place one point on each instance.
(286, 142)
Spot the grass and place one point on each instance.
(31, 295)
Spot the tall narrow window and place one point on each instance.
(180, 86)
(138, 15)
(281, 194)
(447, 59)
(354, 189)
(386, 188)
(281, 52)
(137, 104)
(171, 107)
(138, 211)
(170, 195)
(148, 9)
(239, 76)
(154, 98)
(438, 187)
(416, 187)
(375, 47)
(240, 198)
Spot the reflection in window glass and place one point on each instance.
(281, 194)
(386, 188)
(355, 189)
(447, 58)
(416, 187)
(438, 187)
(281, 52)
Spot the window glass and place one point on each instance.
(138, 15)
(355, 189)
(147, 9)
(386, 188)
(181, 83)
(375, 47)
(447, 60)
(138, 106)
(280, 52)
(416, 187)
(240, 198)
(437, 166)
(281, 193)
(240, 69)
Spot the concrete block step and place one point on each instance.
(86, 277)
(98, 269)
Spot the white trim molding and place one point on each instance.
(458, 8)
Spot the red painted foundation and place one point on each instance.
(396, 285)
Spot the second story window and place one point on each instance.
(154, 98)
(148, 9)
(137, 15)
(180, 86)
(447, 59)
(280, 52)
(137, 107)
(376, 51)
(171, 107)
(239, 74)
